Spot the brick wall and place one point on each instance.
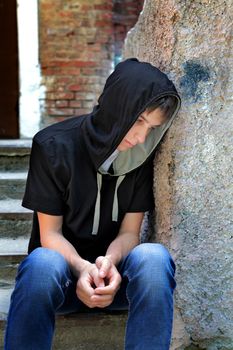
(125, 15)
(79, 43)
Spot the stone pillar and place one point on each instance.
(193, 187)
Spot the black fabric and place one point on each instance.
(66, 156)
(129, 89)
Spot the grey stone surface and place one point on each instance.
(14, 155)
(12, 206)
(15, 220)
(193, 187)
(12, 185)
(17, 246)
(17, 146)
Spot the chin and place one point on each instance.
(122, 148)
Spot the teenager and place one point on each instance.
(89, 185)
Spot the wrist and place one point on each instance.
(78, 265)
(113, 258)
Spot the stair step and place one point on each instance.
(90, 331)
(13, 247)
(12, 252)
(12, 185)
(14, 154)
(15, 220)
(86, 331)
(5, 294)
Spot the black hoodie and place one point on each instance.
(66, 177)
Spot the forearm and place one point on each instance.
(121, 246)
(59, 243)
(51, 237)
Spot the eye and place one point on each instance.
(140, 120)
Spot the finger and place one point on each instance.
(112, 286)
(107, 290)
(101, 301)
(84, 293)
(104, 266)
(85, 287)
(98, 261)
(98, 281)
(110, 289)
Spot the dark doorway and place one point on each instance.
(9, 80)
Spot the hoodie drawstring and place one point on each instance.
(97, 206)
(115, 208)
(115, 200)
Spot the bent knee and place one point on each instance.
(151, 255)
(152, 264)
(42, 261)
(151, 250)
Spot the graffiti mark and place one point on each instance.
(194, 74)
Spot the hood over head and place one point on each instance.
(128, 91)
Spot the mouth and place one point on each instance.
(129, 144)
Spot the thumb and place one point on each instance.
(98, 281)
(104, 264)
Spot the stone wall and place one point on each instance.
(192, 42)
(79, 42)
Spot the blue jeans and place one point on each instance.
(45, 287)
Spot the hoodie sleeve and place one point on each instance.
(142, 199)
(42, 192)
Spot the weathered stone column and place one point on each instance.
(193, 186)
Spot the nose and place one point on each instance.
(141, 135)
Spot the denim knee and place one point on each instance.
(44, 270)
(152, 264)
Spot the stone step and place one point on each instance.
(15, 220)
(12, 185)
(14, 154)
(86, 331)
(12, 252)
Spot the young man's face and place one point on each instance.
(141, 128)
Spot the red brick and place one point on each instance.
(61, 103)
(50, 103)
(47, 6)
(66, 14)
(89, 87)
(60, 111)
(87, 71)
(86, 8)
(75, 104)
(89, 96)
(60, 95)
(81, 111)
(75, 87)
(69, 71)
(48, 71)
(63, 79)
(87, 79)
(102, 23)
(70, 63)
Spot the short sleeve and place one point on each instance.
(143, 199)
(42, 193)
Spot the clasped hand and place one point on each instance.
(98, 283)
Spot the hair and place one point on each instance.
(166, 104)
